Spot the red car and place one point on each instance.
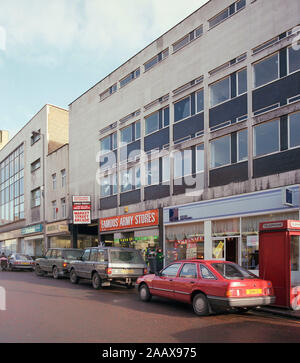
(209, 286)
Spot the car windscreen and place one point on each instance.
(23, 257)
(232, 271)
(72, 254)
(120, 256)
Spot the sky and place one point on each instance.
(52, 51)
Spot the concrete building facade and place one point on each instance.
(208, 111)
(24, 183)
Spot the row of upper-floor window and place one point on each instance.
(225, 150)
(182, 42)
(234, 85)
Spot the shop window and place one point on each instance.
(220, 152)
(266, 138)
(266, 70)
(294, 130)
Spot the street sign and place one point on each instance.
(81, 206)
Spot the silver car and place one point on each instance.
(104, 265)
(20, 261)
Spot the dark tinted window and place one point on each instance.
(72, 254)
(233, 271)
(86, 255)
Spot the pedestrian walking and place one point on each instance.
(159, 260)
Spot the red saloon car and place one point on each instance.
(210, 286)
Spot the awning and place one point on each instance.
(31, 238)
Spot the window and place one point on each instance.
(63, 208)
(232, 9)
(108, 143)
(108, 92)
(126, 180)
(220, 92)
(63, 178)
(266, 70)
(152, 123)
(266, 138)
(242, 145)
(200, 101)
(86, 255)
(294, 130)
(36, 135)
(182, 109)
(158, 58)
(54, 181)
(94, 255)
(182, 163)
(126, 135)
(54, 210)
(133, 75)
(108, 185)
(189, 270)
(171, 271)
(165, 168)
(35, 165)
(293, 59)
(188, 38)
(200, 158)
(220, 152)
(36, 198)
(153, 172)
(206, 273)
(242, 82)
(137, 130)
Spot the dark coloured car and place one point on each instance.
(208, 286)
(57, 261)
(103, 265)
(20, 261)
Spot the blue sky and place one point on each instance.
(53, 51)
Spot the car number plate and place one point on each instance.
(128, 271)
(254, 291)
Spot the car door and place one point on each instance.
(91, 264)
(83, 266)
(162, 285)
(185, 282)
(44, 261)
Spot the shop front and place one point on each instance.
(32, 243)
(58, 235)
(136, 230)
(225, 228)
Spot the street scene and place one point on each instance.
(150, 173)
(41, 309)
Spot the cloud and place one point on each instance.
(45, 31)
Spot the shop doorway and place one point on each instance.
(225, 248)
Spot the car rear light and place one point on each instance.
(108, 270)
(65, 264)
(234, 292)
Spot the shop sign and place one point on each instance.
(32, 229)
(81, 207)
(57, 228)
(134, 220)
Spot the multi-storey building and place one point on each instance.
(203, 126)
(24, 181)
(4, 138)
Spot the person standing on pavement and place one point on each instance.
(159, 260)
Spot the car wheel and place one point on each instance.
(96, 281)
(73, 277)
(39, 271)
(55, 273)
(145, 293)
(200, 305)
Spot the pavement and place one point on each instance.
(289, 313)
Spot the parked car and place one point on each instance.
(209, 286)
(103, 265)
(56, 261)
(20, 261)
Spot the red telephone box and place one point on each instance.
(279, 260)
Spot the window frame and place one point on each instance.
(163, 120)
(190, 108)
(196, 151)
(172, 264)
(229, 91)
(254, 87)
(238, 148)
(288, 60)
(188, 277)
(289, 130)
(230, 156)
